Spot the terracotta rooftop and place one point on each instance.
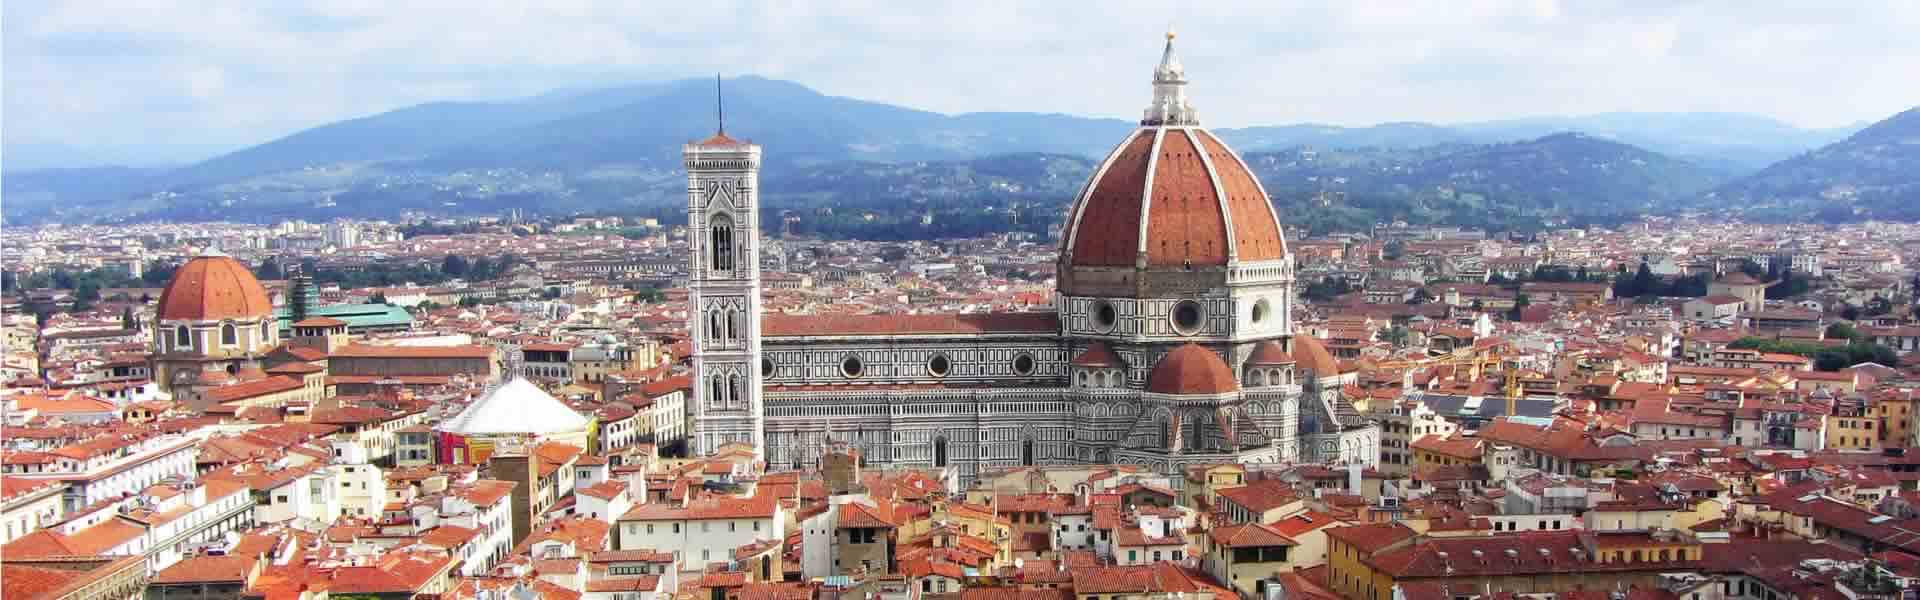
(212, 288)
(1191, 369)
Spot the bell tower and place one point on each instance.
(723, 231)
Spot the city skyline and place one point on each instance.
(215, 80)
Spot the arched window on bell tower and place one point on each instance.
(1026, 452)
(720, 230)
(940, 451)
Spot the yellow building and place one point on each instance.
(1368, 564)
(1247, 556)
(1895, 411)
(1860, 433)
(1433, 450)
(1204, 483)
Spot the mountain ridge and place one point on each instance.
(576, 145)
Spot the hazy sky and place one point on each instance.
(204, 73)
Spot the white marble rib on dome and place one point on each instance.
(515, 407)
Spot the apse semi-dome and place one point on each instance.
(1191, 369)
(1172, 195)
(214, 287)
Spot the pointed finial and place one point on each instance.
(719, 104)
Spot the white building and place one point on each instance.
(486, 506)
(26, 505)
(363, 490)
(108, 467)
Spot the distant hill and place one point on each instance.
(806, 127)
(1734, 141)
(411, 132)
(583, 150)
(1872, 174)
(1556, 177)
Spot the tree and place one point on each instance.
(1831, 360)
(1879, 306)
(9, 281)
(455, 265)
(1753, 270)
(157, 273)
(1420, 296)
(469, 301)
(86, 295)
(379, 298)
(1397, 335)
(1842, 331)
(1643, 280)
(1519, 302)
(270, 269)
(127, 320)
(1850, 313)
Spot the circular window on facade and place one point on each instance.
(766, 367)
(938, 366)
(852, 367)
(1023, 364)
(1105, 316)
(1260, 310)
(1186, 317)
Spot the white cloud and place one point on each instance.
(208, 72)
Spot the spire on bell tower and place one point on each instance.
(1170, 106)
(719, 105)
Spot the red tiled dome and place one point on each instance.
(1197, 201)
(212, 288)
(1191, 369)
(1269, 353)
(1311, 355)
(1097, 355)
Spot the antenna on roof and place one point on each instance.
(719, 104)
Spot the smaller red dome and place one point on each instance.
(214, 287)
(1097, 355)
(1191, 369)
(1311, 355)
(1269, 353)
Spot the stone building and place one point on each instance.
(214, 320)
(1173, 343)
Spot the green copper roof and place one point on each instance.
(357, 316)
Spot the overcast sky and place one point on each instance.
(205, 73)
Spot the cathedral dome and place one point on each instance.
(214, 287)
(1191, 369)
(1172, 195)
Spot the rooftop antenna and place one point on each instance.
(719, 104)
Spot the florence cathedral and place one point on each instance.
(1172, 345)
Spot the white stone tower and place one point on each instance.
(723, 229)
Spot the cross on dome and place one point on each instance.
(1170, 106)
